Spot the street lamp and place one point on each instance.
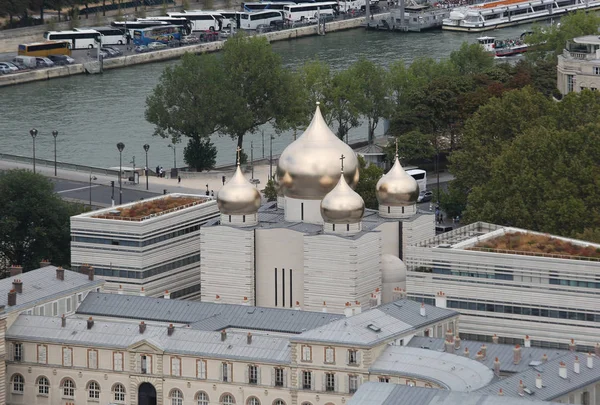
(33, 132)
(271, 157)
(91, 178)
(120, 147)
(146, 147)
(174, 156)
(55, 134)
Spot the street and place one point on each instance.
(101, 192)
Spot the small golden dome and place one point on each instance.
(397, 188)
(308, 167)
(238, 196)
(342, 205)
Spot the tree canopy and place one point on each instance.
(367, 182)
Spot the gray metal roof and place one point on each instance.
(453, 372)
(377, 325)
(503, 352)
(121, 335)
(41, 285)
(553, 386)
(373, 393)
(203, 315)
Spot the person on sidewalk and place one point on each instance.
(157, 171)
(178, 179)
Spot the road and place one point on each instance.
(100, 191)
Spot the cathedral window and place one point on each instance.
(306, 353)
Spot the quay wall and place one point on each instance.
(171, 53)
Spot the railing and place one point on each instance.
(537, 254)
(61, 165)
(579, 55)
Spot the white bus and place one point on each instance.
(304, 11)
(79, 39)
(182, 21)
(110, 35)
(420, 176)
(130, 26)
(232, 16)
(265, 5)
(202, 20)
(251, 21)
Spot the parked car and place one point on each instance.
(262, 28)
(43, 62)
(28, 62)
(425, 196)
(61, 60)
(116, 50)
(9, 66)
(141, 49)
(153, 46)
(109, 51)
(4, 70)
(189, 40)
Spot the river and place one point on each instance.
(94, 112)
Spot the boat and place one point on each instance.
(506, 13)
(501, 48)
(411, 17)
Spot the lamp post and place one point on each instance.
(271, 157)
(91, 178)
(120, 147)
(33, 132)
(146, 147)
(174, 155)
(55, 134)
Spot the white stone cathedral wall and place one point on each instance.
(389, 237)
(421, 227)
(227, 264)
(297, 210)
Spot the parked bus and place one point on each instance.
(266, 5)
(184, 22)
(232, 16)
(301, 12)
(79, 39)
(202, 20)
(45, 48)
(162, 34)
(420, 176)
(110, 35)
(250, 21)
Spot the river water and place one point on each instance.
(92, 113)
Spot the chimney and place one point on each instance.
(373, 301)
(91, 273)
(495, 339)
(120, 290)
(457, 342)
(527, 341)
(572, 345)
(357, 308)
(440, 300)
(217, 299)
(84, 269)
(500, 392)
(517, 354)
(63, 321)
(245, 301)
(142, 328)
(521, 388)
(324, 307)
(142, 292)
(562, 370)
(90, 323)
(466, 352)
(544, 358)
(597, 350)
(497, 367)
(538, 382)
(170, 329)
(398, 294)
(590, 360)
(15, 270)
(449, 346)
(249, 338)
(18, 286)
(60, 274)
(348, 310)
(44, 263)
(223, 335)
(378, 296)
(479, 356)
(167, 295)
(297, 307)
(576, 365)
(12, 298)
(484, 350)
(422, 311)
(449, 336)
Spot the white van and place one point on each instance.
(27, 61)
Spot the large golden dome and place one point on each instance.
(310, 166)
(342, 205)
(397, 188)
(238, 196)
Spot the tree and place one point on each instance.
(34, 224)
(344, 90)
(270, 191)
(412, 146)
(471, 59)
(316, 80)
(369, 176)
(200, 154)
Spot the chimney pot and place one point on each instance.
(590, 360)
(484, 350)
(500, 392)
(297, 308)
(440, 300)
(324, 307)
(497, 367)
(249, 338)
(170, 329)
(422, 311)
(44, 263)
(449, 346)
(597, 349)
(572, 345)
(517, 354)
(544, 357)
(142, 292)
(63, 321)
(12, 298)
(449, 336)
(90, 323)
(495, 339)
(18, 286)
(217, 299)
(167, 295)
(576, 365)
(60, 274)
(562, 370)
(538, 382)
(120, 290)
(521, 388)
(466, 352)
(223, 335)
(142, 327)
(15, 270)
(91, 273)
(457, 342)
(527, 341)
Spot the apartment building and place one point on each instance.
(579, 65)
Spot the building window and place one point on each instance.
(55, 308)
(92, 358)
(69, 304)
(18, 351)
(67, 353)
(117, 361)
(79, 298)
(279, 402)
(42, 354)
(352, 357)
(226, 373)
(585, 398)
(411, 383)
(279, 378)
(570, 83)
(253, 401)
(176, 397)
(68, 388)
(306, 353)
(202, 398)
(596, 70)
(18, 384)
(176, 366)
(252, 374)
(43, 386)
(42, 311)
(384, 379)
(329, 382)
(306, 380)
(146, 364)
(329, 355)
(227, 399)
(93, 390)
(352, 383)
(119, 392)
(201, 369)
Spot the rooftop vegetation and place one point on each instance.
(142, 210)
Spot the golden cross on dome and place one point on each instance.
(238, 150)
(342, 160)
(396, 146)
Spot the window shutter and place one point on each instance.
(336, 386)
(258, 375)
(300, 380)
(149, 364)
(41, 354)
(285, 384)
(358, 356)
(348, 357)
(324, 382)
(359, 381)
(230, 372)
(138, 363)
(347, 388)
(246, 374)
(312, 381)
(272, 377)
(11, 355)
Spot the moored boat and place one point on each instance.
(503, 47)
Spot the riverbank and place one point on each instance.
(171, 53)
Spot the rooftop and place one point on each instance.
(377, 325)
(205, 316)
(373, 393)
(587, 39)
(121, 335)
(456, 373)
(42, 285)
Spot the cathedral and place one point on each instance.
(317, 248)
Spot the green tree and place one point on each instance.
(316, 80)
(34, 224)
(413, 145)
(471, 59)
(344, 90)
(590, 235)
(200, 154)
(369, 176)
(270, 191)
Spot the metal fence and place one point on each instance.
(61, 165)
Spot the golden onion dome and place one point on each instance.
(310, 166)
(238, 196)
(397, 188)
(342, 205)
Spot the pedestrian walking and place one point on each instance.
(178, 179)
(157, 171)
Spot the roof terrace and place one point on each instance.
(140, 211)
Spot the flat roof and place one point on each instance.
(587, 39)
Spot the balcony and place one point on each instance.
(579, 55)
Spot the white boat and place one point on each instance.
(506, 13)
(501, 48)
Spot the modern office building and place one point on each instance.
(579, 65)
(145, 247)
(510, 282)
